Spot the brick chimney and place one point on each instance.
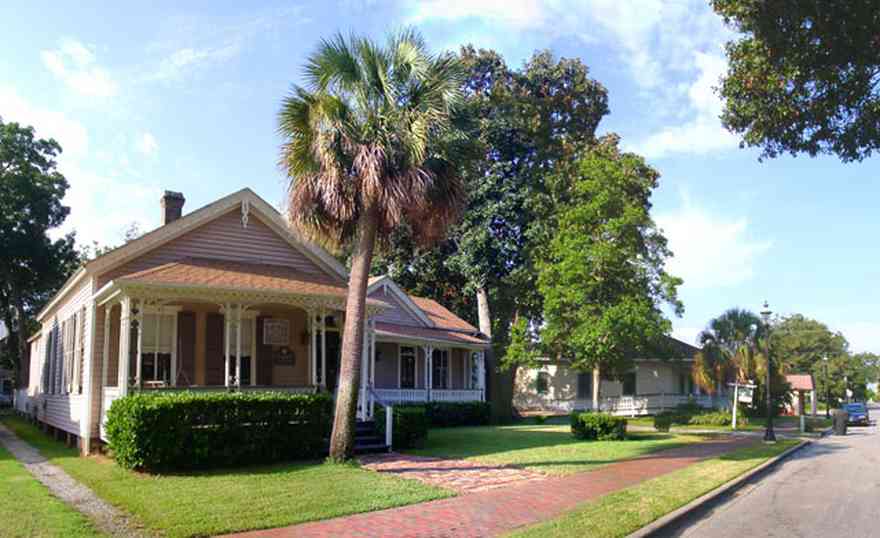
(172, 206)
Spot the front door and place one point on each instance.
(334, 348)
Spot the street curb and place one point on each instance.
(667, 522)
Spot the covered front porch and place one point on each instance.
(216, 336)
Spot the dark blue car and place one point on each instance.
(858, 414)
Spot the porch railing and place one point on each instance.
(290, 389)
(457, 395)
(647, 404)
(402, 395)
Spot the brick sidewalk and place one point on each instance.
(461, 476)
(490, 513)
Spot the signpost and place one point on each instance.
(742, 392)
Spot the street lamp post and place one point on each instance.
(827, 389)
(769, 435)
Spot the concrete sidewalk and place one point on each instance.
(496, 511)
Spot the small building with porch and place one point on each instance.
(229, 297)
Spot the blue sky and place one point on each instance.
(183, 96)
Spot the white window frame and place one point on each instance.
(415, 356)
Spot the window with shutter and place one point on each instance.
(584, 385)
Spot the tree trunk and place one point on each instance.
(22, 336)
(597, 381)
(499, 385)
(342, 438)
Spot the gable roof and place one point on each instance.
(245, 198)
(439, 324)
(800, 381)
(404, 299)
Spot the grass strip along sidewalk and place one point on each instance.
(627, 510)
(28, 509)
(227, 500)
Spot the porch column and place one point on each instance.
(372, 352)
(323, 325)
(105, 350)
(253, 351)
(429, 374)
(174, 350)
(313, 346)
(238, 346)
(124, 345)
(139, 359)
(481, 374)
(228, 327)
(158, 340)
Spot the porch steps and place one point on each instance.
(367, 440)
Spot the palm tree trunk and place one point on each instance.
(342, 438)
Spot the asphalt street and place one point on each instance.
(831, 488)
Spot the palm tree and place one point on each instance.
(369, 146)
(728, 348)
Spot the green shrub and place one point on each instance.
(182, 430)
(598, 426)
(447, 414)
(683, 416)
(663, 421)
(540, 419)
(410, 428)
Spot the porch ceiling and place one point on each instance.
(223, 280)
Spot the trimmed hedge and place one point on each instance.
(598, 426)
(684, 416)
(451, 414)
(410, 425)
(184, 430)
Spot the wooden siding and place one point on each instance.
(63, 411)
(223, 238)
(397, 313)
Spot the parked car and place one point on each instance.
(858, 414)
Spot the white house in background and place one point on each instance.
(652, 386)
(229, 297)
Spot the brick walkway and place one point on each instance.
(492, 512)
(461, 476)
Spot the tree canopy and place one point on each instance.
(34, 265)
(803, 76)
(602, 272)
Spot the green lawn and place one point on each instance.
(28, 509)
(198, 504)
(625, 511)
(545, 448)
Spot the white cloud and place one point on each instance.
(146, 144)
(74, 64)
(185, 60)
(69, 133)
(703, 133)
(105, 195)
(520, 15)
(710, 251)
